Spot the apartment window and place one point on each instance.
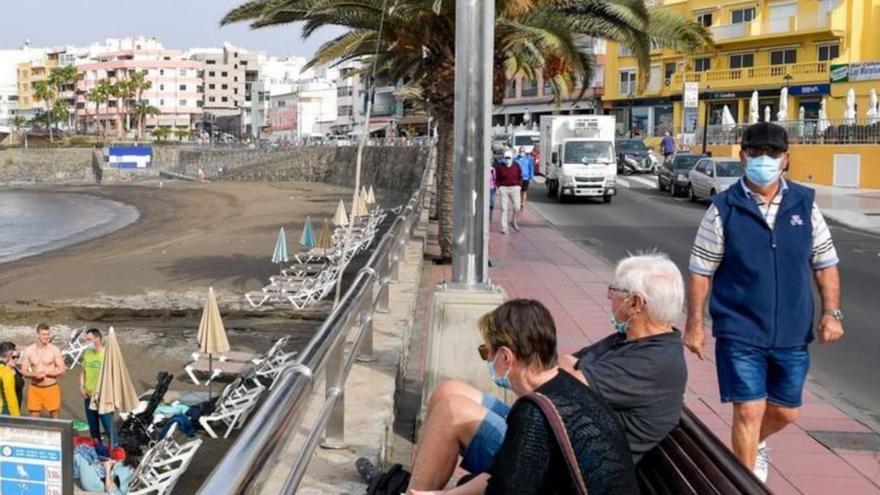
(510, 89)
(669, 70)
(224, 99)
(780, 57)
(161, 87)
(529, 88)
(13, 97)
(235, 79)
(783, 10)
(235, 91)
(235, 66)
(182, 72)
(211, 73)
(704, 19)
(627, 82)
(182, 87)
(162, 102)
(624, 50)
(742, 60)
(224, 74)
(183, 103)
(828, 52)
(112, 104)
(702, 64)
(243, 63)
(547, 90)
(161, 72)
(210, 62)
(742, 15)
(224, 86)
(212, 99)
(211, 86)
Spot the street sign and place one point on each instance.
(691, 95)
(36, 456)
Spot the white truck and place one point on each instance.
(525, 138)
(578, 156)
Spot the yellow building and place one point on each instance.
(759, 45)
(29, 74)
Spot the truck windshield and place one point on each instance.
(588, 152)
(525, 140)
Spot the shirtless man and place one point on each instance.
(42, 364)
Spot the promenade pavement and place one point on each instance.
(571, 280)
(854, 207)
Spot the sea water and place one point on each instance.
(35, 222)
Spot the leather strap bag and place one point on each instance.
(555, 420)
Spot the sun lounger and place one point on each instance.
(232, 409)
(76, 346)
(234, 364)
(163, 465)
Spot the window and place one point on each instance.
(224, 74)
(212, 99)
(669, 70)
(783, 10)
(224, 99)
(235, 79)
(199, 104)
(211, 86)
(547, 90)
(182, 87)
(627, 82)
(742, 15)
(210, 62)
(161, 102)
(182, 103)
(211, 73)
(13, 97)
(161, 87)
(702, 64)
(235, 66)
(281, 103)
(828, 52)
(780, 57)
(510, 89)
(224, 86)
(161, 72)
(529, 88)
(235, 91)
(623, 50)
(181, 72)
(704, 19)
(243, 63)
(742, 60)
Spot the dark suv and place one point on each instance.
(673, 174)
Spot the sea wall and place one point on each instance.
(47, 166)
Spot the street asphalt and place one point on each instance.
(642, 218)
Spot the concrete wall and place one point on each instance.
(46, 165)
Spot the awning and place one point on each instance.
(413, 120)
(565, 106)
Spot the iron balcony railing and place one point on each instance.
(246, 465)
(836, 131)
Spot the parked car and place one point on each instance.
(673, 173)
(711, 176)
(632, 157)
(499, 144)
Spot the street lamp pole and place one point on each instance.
(474, 42)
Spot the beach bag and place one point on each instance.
(558, 427)
(392, 482)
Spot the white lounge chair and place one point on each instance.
(76, 346)
(233, 362)
(232, 409)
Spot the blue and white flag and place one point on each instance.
(129, 156)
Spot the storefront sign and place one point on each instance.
(863, 71)
(810, 90)
(733, 95)
(691, 95)
(36, 456)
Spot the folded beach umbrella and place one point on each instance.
(307, 239)
(371, 197)
(364, 194)
(115, 391)
(359, 209)
(212, 334)
(325, 237)
(340, 219)
(280, 254)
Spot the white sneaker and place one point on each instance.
(762, 462)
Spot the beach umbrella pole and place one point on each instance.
(210, 374)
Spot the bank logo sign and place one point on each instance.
(863, 71)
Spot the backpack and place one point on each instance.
(392, 482)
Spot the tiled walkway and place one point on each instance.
(540, 263)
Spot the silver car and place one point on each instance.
(711, 176)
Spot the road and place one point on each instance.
(642, 218)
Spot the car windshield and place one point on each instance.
(631, 147)
(588, 152)
(685, 162)
(729, 169)
(525, 140)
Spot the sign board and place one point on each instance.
(690, 119)
(36, 456)
(129, 156)
(864, 71)
(839, 73)
(810, 90)
(691, 95)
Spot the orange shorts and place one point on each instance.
(40, 398)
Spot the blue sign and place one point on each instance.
(129, 156)
(810, 90)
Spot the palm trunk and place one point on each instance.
(445, 175)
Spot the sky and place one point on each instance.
(179, 24)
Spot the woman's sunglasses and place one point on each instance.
(483, 349)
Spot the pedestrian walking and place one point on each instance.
(9, 402)
(667, 145)
(43, 365)
(508, 179)
(527, 167)
(492, 188)
(92, 361)
(758, 246)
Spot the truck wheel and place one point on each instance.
(607, 198)
(559, 196)
(549, 185)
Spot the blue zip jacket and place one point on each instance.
(527, 165)
(762, 290)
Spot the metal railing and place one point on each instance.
(247, 463)
(836, 131)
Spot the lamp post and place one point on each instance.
(706, 121)
(629, 118)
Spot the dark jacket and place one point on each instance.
(762, 291)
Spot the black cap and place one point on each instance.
(765, 134)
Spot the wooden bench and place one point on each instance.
(692, 460)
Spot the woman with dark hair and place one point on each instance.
(115, 477)
(561, 437)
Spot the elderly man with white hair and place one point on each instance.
(639, 371)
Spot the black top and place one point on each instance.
(642, 380)
(530, 460)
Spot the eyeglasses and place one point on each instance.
(764, 150)
(614, 288)
(483, 349)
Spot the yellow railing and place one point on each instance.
(809, 72)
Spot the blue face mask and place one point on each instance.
(619, 326)
(501, 381)
(763, 170)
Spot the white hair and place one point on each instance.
(656, 278)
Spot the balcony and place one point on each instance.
(786, 26)
(750, 77)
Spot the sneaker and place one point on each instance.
(504, 232)
(516, 226)
(762, 462)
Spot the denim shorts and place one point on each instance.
(480, 453)
(747, 373)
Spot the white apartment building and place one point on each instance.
(306, 112)
(9, 61)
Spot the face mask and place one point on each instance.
(763, 170)
(501, 381)
(90, 345)
(619, 326)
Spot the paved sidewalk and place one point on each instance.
(856, 208)
(571, 280)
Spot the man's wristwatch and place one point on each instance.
(834, 313)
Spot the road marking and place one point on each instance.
(652, 184)
(623, 182)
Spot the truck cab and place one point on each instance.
(578, 152)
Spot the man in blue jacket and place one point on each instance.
(759, 245)
(527, 165)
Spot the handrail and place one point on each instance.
(244, 467)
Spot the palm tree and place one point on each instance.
(182, 133)
(137, 84)
(142, 110)
(161, 133)
(99, 95)
(120, 92)
(531, 37)
(20, 123)
(44, 92)
(59, 78)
